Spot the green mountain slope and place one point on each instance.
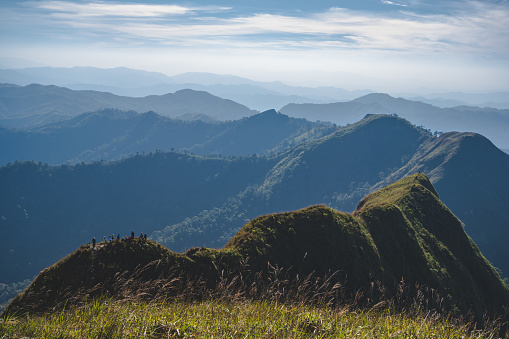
(45, 212)
(400, 233)
(471, 176)
(262, 133)
(338, 170)
(347, 162)
(186, 201)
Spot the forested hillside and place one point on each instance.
(184, 201)
(113, 134)
(339, 169)
(46, 211)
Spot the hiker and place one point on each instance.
(145, 237)
(132, 234)
(93, 242)
(118, 237)
(141, 235)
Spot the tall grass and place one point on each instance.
(245, 305)
(235, 319)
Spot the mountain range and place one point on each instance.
(113, 134)
(490, 122)
(399, 238)
(183, 200)
(38, 105)
(254, 94)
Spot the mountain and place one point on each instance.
(111, 77)
(183, 201)
(339, 169)
(117, 134)
(46, 211)
(471, 175)
(336, 170)
(490, 122)
(257, 95)
(263, 133)
(135, 83)
(37, 104)
(498, 100)
(401, 236)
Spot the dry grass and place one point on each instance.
(244, 306)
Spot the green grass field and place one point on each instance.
(235, 319)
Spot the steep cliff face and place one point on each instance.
(399, 235)
(471, 175)
(420, 240)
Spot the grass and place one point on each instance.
(270, 307)
(234, 319)
(220, 293)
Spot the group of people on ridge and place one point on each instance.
(111, 238)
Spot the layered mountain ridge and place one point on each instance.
(490, 122)
(151, 192)
(117, 134)
(37, 105)
(401, 234)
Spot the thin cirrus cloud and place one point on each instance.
(474, 28)
(393, 3)
(101, 9)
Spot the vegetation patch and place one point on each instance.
(401, 247)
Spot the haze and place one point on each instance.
(377, 44)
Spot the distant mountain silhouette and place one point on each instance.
(399, 237)
(118, 134)
(135, 83)
(109, 77)
(490, 122)
(254, 94)
(37, 105)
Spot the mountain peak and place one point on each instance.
(397, 191)
(374, 97)
(270, 112)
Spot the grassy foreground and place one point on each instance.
(234, 319)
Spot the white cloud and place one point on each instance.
(393, 3)
(106, 9)
(478, 28)
(473, 38)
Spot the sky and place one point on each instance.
(353, 44)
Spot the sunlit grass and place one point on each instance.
(236, 319)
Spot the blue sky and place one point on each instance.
(379, 44)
